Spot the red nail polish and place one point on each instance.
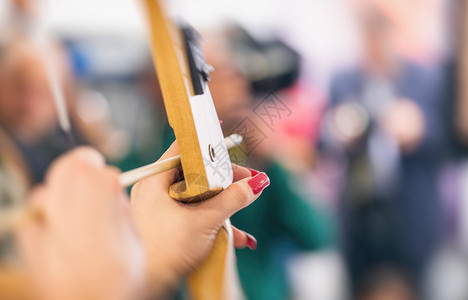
(253, 172)
(220, 122)
(251, 242)
(259, 182)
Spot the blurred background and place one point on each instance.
(354, 108)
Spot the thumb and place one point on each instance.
(237, 196)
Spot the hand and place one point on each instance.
(404, 121)
(178, 236)
(84, 246)
(347, 124)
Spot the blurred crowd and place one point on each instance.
(369, 172)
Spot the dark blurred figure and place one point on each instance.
(385, 121)
(284, 221)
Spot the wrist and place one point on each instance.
(162, 279)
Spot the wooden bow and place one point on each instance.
(183, 77)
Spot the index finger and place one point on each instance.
(165, 179)
(240, 172)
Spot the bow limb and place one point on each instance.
(183, 77)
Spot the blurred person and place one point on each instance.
(29, 115)
(27, 110)
(138, 248)
(385, 119)
(25, 115)
(286, 222)
(30, 135)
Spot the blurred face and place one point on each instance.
(26, 104)
(378, 33)
(229, 88)
(378, 48)
(28, 7)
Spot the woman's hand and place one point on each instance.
(178, 236)
(84, 246)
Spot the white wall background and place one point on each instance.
(321, 30)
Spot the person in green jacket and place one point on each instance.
(284, 221)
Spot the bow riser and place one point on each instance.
(205, 161)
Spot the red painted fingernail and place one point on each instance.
(259, 182)
(220, 122)
(253, 172)
(251, 242)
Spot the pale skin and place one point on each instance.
(189, 230)
(404, 121)
(85, 239)
(92, 243)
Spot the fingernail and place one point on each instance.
(253, 172)
(220, 122)
(259, 182)
(251, 242)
